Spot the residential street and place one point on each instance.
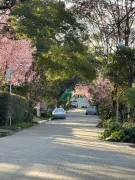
(65, 150)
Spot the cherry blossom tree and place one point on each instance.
(82, 89)
(17, 55)
(101, 90)
(14, 54)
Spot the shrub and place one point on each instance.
(49, 114)
(46, 114)
(105, 111)
(20, 109)
(114, 126)
(118, 135)
(119, 132)
(4, 107)
(106, 133)
(129, 130)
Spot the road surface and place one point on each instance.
(65, 150)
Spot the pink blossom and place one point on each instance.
(17, 55)
(101, 89)
(82, 89)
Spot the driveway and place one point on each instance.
(65, 150)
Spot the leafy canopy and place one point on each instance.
(57, 36)
(122, 68)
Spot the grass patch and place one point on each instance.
(23, 125)
(4, 130)
(35, 118)
(17, 126)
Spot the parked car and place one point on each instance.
(74, 104)
(59, 113)
(91, 110)
(84, 105)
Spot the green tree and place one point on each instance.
(121, 71)
(57, 36)
(122, 67)
(130, 94)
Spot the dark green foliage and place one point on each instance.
(4, 107)
(58, 37)
(20, 90)
(130, 94)
(54, 89)
(118, 135)
(46, 114)
(21, 109)
(129, 132)
(106, 133)
(114, 126)
(30, 111)
(122, 68)
(112, 129)
(119, 132)
(105, 111)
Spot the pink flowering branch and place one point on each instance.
(17, 55)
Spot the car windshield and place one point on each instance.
(91, 107)
(59, 110)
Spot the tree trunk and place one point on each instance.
(114, 101)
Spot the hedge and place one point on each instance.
(20, 108)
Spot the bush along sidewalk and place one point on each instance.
(118, 132)
(19, 109)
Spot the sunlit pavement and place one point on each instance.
(65, 150)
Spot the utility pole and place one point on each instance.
(9, 77)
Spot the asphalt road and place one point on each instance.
(65, 150)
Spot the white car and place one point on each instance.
(91, 110)
(74, 104)
(59, 113)
(84, 105)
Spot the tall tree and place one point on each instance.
(108, 21)
(121, 69)
(82, 89)
(101, 91)
(57, 36)
(12, 56)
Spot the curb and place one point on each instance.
(7, 134)
(19, 129)
(44, 121)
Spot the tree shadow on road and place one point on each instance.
(64, 150)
